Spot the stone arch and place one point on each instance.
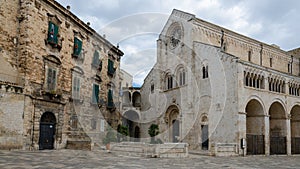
(295, 129)
(172, 120)
(130, 119)
(278, 128)
(204, 119)
(136, 99)
(53, 59)
(259, 100)
(255, 127)
(78, 70)
(126, 98)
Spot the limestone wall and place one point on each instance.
(11, 119)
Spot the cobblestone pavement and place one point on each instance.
(100, 159)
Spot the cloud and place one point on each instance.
(135, 25)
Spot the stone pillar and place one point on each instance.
(242, 132)
(288, 136)
(267, 135)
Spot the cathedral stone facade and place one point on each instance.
(59, 79)
(222, 92)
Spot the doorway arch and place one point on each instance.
(204, 133)
(278, 129)
(295, 129)
(172, 119)
(255, 128)
(47, 131)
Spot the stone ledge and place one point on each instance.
(166, 150)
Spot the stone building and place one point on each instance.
(222, 92)
(60, 80)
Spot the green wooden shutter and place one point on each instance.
(111, 69)
(110, 101)
(77, 47)
(95, 94)
(52, 33)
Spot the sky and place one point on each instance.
(135, 25)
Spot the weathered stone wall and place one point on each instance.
(23, 46)
(11, 118)
(240, 46)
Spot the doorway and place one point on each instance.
(204, 137)
(47, 131)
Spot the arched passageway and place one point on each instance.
(295, 129)
(136, 99)
(255, 128)
(278, 129)
(47, 131)
(130, 119)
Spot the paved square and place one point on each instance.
(68, 159)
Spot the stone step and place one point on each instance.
(79, 145)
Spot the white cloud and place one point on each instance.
(135, 25)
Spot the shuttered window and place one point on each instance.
(51, 79)
(95, 96)
(77, 47)
(110, 69)
(76, 88)
(52, 34)
(110, 101)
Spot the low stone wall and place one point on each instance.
(11, 142)
(170, 150)
(225, 149)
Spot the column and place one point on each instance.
(267, 135)
(288, 136)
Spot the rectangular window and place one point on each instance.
(52, 34)
(76, 88)
(95, 97)
(249, 56)
(271, 62)
(102, 125)
(96, 60)
(51, 79)
(170, 82)
(77, 47)
(94, 124)
(110, 100)
(110, 69)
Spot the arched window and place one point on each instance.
(205, 72)
(181, 77)
(169, 81)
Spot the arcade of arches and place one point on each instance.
(272, 132)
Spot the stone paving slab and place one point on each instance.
(70, 159)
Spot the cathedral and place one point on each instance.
(222, 92)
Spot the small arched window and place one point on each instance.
(181, 77)
(205, 72)
(169, 81)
